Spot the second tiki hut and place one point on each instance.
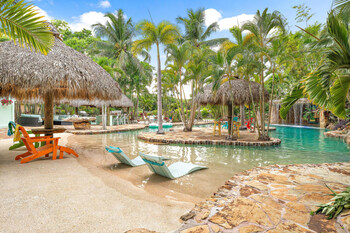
(234, 92)
(123, 102)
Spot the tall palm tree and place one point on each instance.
(119, 33)
(162, 34)
(262, 28)
(178, 55)
(196, 72)
(20, 20)
(196, 31)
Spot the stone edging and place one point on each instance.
(89, 132)
(276, 198)
(273, 142)
(336, 134)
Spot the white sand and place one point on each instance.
(62, 196)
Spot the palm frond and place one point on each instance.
(20, 20)
(290, 100)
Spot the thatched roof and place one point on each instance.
(236, 90)
(300, 101)
(123, 102)
(25, 74)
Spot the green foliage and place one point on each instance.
(155, 112)
(303, 13)
(205, 112)
(61, 25)
(195, 30)
(20, 20)
(329, 84)
(340, 201)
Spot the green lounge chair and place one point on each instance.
(175, 170)
(123, 158)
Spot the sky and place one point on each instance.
(83, 13)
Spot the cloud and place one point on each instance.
(87, 19)
(212, 15)
(41, 12)
(105, 4)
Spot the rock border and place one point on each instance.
(273, 142)
(338, 134)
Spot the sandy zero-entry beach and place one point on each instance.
(65, 196)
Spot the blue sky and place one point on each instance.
(82, 13)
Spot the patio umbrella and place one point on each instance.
(63, 73)
(233, 92)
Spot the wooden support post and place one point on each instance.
(48, 103)
(104, 117)
(229, 118)
(242, 113)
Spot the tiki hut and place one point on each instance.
(235, 92)
(63, 73)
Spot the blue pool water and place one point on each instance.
(308, 145)
(299, 145)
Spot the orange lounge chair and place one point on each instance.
(46, 149)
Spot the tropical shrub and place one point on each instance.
(205, 112)
(339, 202)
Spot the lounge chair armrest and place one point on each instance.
(41, 137)
(45, 139)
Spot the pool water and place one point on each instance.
(299, 145)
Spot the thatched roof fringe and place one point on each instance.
(235, 90)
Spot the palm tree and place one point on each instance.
(195, 30)
(262, 28)
(20, 20)
(162, 34)
(119, 33)
(178, 55)
(196, 72)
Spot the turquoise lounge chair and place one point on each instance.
(175, 170)
(123, 158)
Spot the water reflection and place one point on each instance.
(298, 146)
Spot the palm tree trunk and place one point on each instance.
(263, 136)
(271, 97)
(193, 109)
(137, 107)
(159, 88)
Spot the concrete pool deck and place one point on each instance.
(204, 136)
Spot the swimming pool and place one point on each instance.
(299, 145)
